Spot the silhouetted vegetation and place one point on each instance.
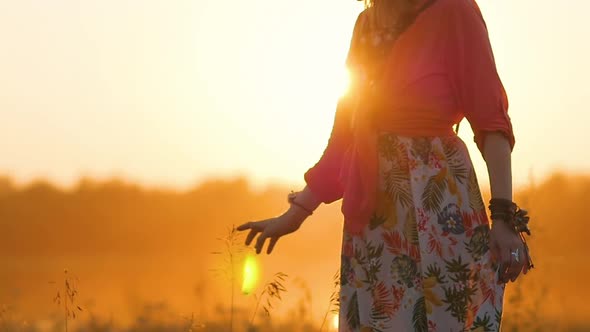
(143, 257)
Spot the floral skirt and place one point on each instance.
(423, 263)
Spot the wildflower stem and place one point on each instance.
(231, 261)
(66, 302)
(255, 309)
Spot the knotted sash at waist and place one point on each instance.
(360, 170)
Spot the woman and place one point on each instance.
(418, 251)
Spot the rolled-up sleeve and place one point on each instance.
(480, 93)
(323, 179)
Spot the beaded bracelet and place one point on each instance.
(510, 213)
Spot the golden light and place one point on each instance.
(251, 272)
(335, 322)
(343, 82)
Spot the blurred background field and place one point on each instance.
(143, 261)
(135, 133)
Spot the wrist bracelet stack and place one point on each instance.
(291, 199)
(510, 213)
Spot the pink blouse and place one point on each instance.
(440, 70)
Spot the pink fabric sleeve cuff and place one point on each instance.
(498, 121)
(321, 181)
(324, 179)
(480, 92)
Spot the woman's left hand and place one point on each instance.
(508, 251)
(273, 228)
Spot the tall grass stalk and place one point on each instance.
(233, 243)
(305, 303)
(67, 297)
(271, 290)
(334, 303)
(3, 314)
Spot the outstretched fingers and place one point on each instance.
(251, 236)
(260, 242)
(245, 226)
(271, 245)
(254, 227)
(262, 228)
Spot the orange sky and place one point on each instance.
(168, 93)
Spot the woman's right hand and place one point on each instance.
(508, 251)
(273, 228)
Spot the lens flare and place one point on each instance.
(250, 275)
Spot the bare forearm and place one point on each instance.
(497, 154)
(307, 199)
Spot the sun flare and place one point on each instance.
(342, 82)
(250, 275)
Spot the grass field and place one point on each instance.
(141, 260)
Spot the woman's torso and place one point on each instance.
(410, 71)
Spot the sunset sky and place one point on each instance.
(171, 92)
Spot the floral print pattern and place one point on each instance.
(404, 270)
(451, 220)
(423, 263)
